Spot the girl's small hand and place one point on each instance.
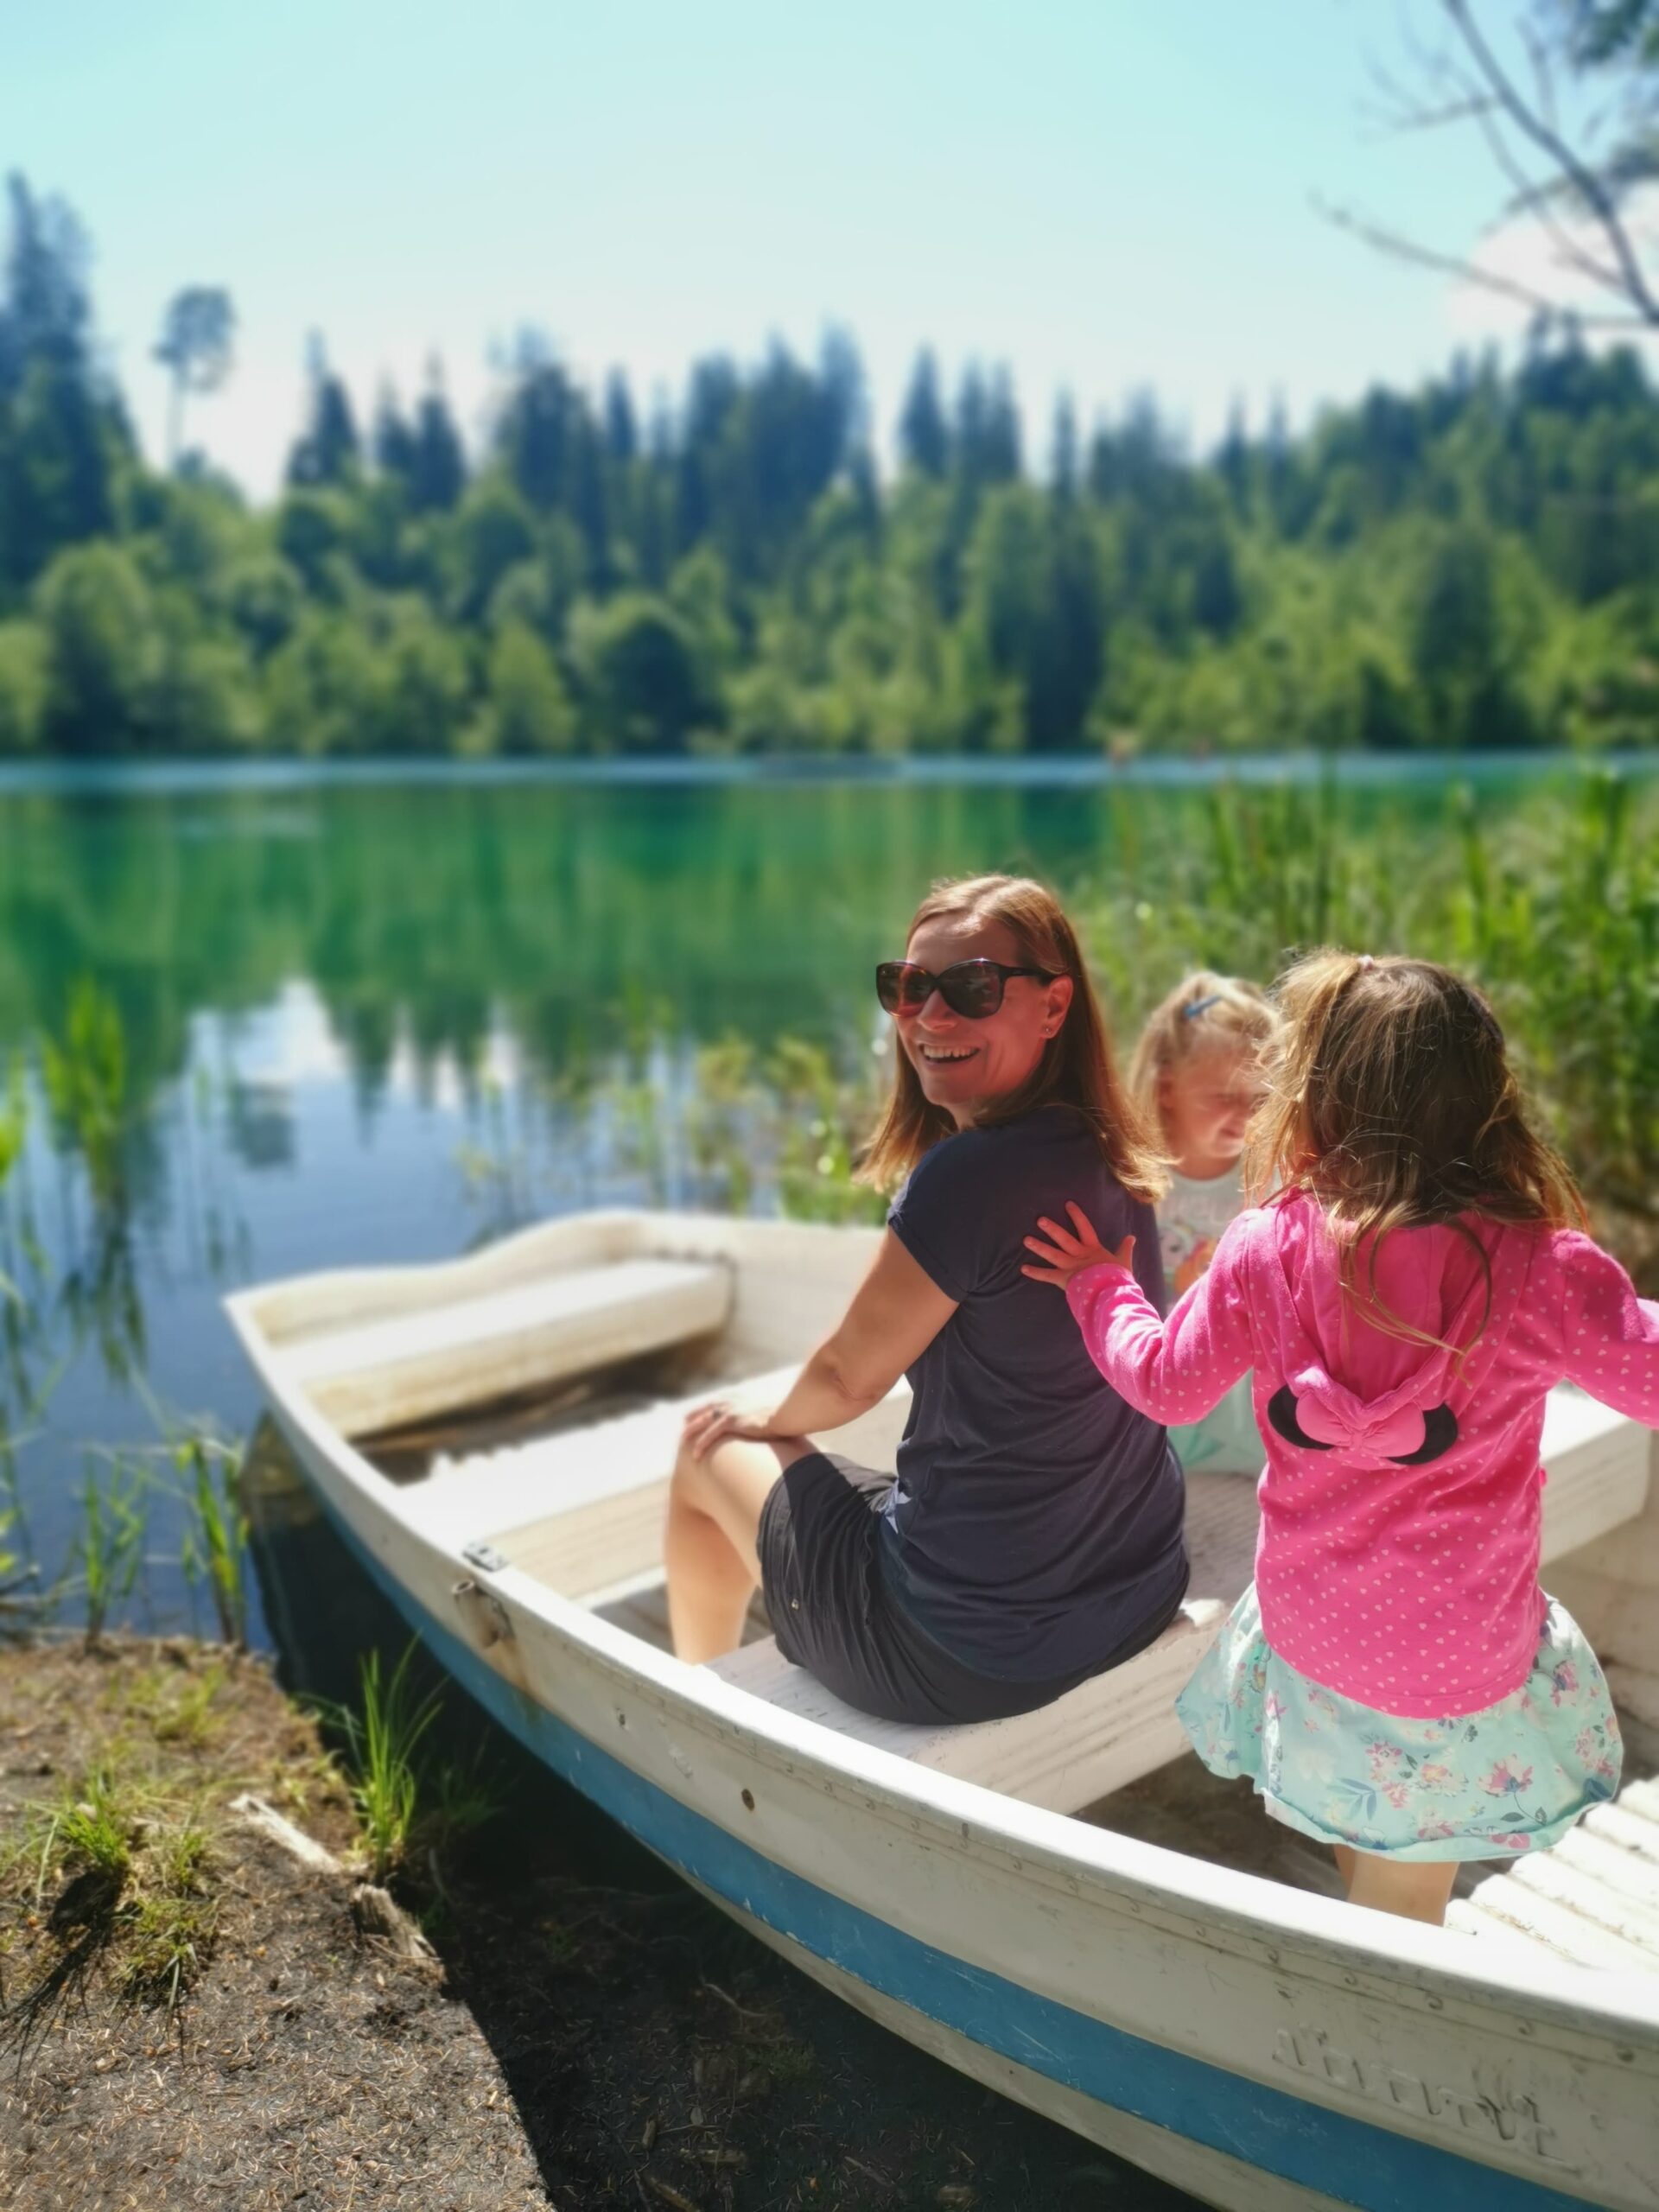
(1071, 1250)
(706, 1426)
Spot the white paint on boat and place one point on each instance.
(1295, 2050)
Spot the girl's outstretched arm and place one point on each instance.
(1173, 1371)
(1609, 1336)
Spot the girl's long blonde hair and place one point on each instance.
(1076, 1068)
(1390, 1099)
(1204, 1012)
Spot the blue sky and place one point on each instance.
(1105, 193)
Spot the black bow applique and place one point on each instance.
(1440, 1430)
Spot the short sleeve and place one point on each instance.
(941, 1219)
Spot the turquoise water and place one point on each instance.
(375, 1014)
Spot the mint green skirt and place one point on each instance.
(1492, 1785)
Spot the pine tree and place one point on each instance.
(439, 474)
(328, 451)
(923, 433)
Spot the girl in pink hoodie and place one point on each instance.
(1394, 1681)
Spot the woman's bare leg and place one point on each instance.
(1414, 1889)
(1345, 1858)
(708, 1548)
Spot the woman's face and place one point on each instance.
(958, 1062)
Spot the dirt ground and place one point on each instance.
(590, 2033)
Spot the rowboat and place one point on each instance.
(1063, 1905)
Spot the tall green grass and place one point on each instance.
(109, 1536)
(213, 1552)
(1554, 912)
(87, 1078)
(383, 1738)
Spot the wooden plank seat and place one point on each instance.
(386, 1373)
(1095, 1738)
(1110, 1731)
(584, 1511)
(1593, 1898)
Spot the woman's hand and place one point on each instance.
(1071, 1250)
(706, 1426)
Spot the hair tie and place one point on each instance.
(1191, 1012)
(1366, 961)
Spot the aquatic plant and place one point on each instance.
(382, 1740)
(85, 1075)
(214, 1549)
(823, 1121)
(1555, 914)
(108, 1544)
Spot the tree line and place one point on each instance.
(1473, 564)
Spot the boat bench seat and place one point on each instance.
(385, 1374)
(1095, 1738)
(1120, 1725)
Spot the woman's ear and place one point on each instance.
(1058, 1001)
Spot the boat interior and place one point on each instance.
(527, 1403)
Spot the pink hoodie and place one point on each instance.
(1411, 1588)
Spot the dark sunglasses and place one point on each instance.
(970, 987)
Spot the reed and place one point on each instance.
(214, 1551)
(109, 1543)
(1554, 912)
(87, 1078)
(382, 1743)
(824, 1118)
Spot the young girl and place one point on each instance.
(1196, 1076)
(1396, 1682)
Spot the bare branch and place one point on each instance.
(1537, 201)
(1589, 186)
(1401, 248)
(1542, 76)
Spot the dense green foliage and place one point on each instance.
(1476, 565)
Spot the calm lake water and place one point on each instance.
(381, 1014)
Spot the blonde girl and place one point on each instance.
(1197, 1077)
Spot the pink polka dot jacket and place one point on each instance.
(1398, 1561)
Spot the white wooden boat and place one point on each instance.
(1048, 1903)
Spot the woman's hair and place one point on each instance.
(1391, 1100)
(1204, 1012)
(1076, 1068)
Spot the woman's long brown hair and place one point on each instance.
(1076, 1068)
(1390, 1099)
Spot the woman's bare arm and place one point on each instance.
(896, 1312)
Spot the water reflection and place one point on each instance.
(378, 1022)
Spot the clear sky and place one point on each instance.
(1105, 193)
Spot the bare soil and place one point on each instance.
(591, 2033)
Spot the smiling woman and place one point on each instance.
(1033, 1536)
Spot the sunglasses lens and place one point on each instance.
(900, 983)
(972, 988)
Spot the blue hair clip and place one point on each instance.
(1191, 1012)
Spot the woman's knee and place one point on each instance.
(728, 1486)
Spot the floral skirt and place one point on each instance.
(1492, 1784)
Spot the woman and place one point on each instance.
(1033, 1535)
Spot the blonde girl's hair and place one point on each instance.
(1076, 1068)
(1204, 1012)
(1391, 1100)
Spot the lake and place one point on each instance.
(377, 1014)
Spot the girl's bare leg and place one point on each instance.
(1345, 1858)
(709, 1547)
(1416, 1890)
